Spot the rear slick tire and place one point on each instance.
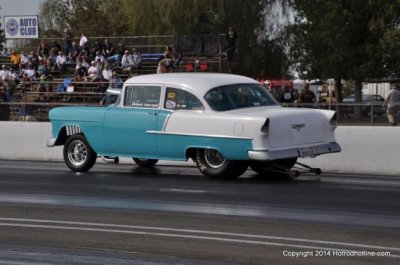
(212, 164)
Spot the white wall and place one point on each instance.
(27, 141)
(369, 150)
(365, 149)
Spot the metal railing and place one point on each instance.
(370, 114)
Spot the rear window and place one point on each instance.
(239, 96)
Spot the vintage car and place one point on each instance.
(370, 103)
(224, 122)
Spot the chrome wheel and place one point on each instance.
(77, 152)
(214, 158)
(78, 155)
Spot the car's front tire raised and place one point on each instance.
(78, 155)
(213, 164)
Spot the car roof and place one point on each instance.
(200, 82)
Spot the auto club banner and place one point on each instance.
(21, 27)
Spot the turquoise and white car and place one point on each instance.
(224, 122)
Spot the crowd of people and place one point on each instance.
(99, 62)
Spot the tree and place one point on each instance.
(172, 17)
(350, 39)
(94, 17)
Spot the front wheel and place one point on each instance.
(145, 162)
(78, 155)
(213, 164)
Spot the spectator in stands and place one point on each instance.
(85, 63)
(98, 47)
(108, 49)
(68, 38)
(44, 86)
(116, 81)
(119, 52)
(106, 73)
(15, 60)
(5, 52)
(49, 63)
(52, 57)
(11, 82)
(99, 57)
(103, 84)
(60, 63)
(80, 71)
(85, 53)
(56, 46)
(137, 58)
(83, 41)
(176, 57)
(127, 62)
(43, 49)
(165, 64)
(231, 37)
(92, 72)
(4, 73)
(168, 51)
(43, 67)
(70, 62)
(24, 61)
(34, 60)
(162, 67)
(75, 50)
(29, 74)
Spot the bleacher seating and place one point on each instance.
(33, 99)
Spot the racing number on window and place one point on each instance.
(177, 99)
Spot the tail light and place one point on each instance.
(333, 120)
(265, 126)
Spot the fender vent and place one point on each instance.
(72, 129)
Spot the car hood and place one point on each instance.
(90, 114)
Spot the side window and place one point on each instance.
(177, 99)
(142, 96)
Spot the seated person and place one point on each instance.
(60, 63)
(29, 74)
(116, 81)
(91, 72)
(80, 72)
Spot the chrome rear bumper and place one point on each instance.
(319, 149)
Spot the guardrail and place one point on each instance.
(365, 149)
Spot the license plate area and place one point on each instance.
(307, 152)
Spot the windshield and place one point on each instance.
(239, 96)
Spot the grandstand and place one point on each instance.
(33, 99)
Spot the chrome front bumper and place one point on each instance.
(319, 149)
(51, 142)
